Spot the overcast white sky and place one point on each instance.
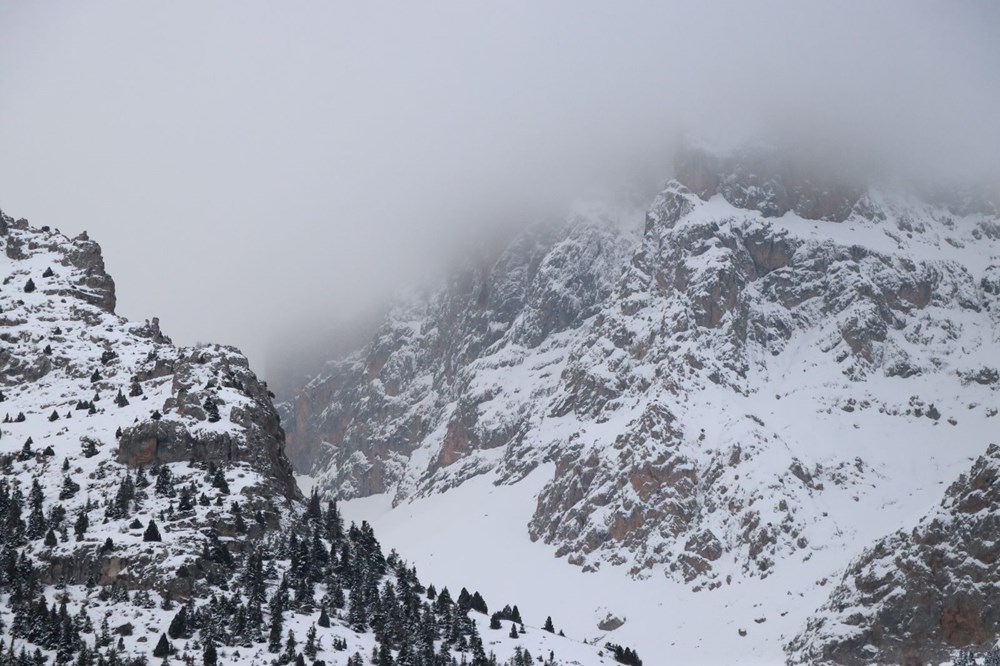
(252, 167)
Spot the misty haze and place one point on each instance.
(498, 334)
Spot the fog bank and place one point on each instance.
(257, 172)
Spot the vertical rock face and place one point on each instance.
(713, 388)
(918, 594)
(115, 399)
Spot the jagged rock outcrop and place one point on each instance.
(259, 441)
(917, 595)
(116, 402)
(90, 283)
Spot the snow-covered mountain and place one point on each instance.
(765, 370)
(148, 510)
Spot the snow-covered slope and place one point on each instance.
(92, 403)
(768, 375)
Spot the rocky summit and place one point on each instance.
(725, 383)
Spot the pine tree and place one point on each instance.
(219, 481)
(314, 513)
(162, 648)
(333, 523)
(165, 483)
(513, 630)
(81, 524)
(239, 524)
(443, 601)
(324, 619)
(277, 607)
(289, 655)
(212, 409)
(384, 656)
(151, 533)
(548, 626)
(185, 502)
(26, 452)
(310, 648)
(178, 626)
(119, 507)
(210, 657)
(357, 614)
(69, 488)
(338, 597)
(29, 286)
(36, 518)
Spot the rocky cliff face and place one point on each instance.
(716, 390)
(96, 402)
(919, 594)
(420, 375)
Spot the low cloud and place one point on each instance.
(259, 172)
